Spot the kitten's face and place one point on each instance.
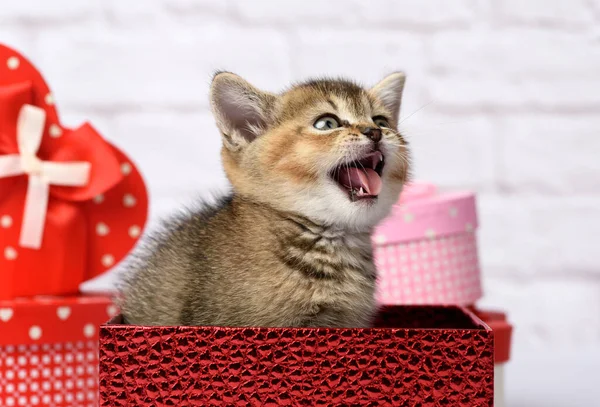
(328, 150)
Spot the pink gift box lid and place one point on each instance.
(424, 212)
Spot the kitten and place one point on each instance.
(313, 169)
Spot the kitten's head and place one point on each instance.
(326, 149)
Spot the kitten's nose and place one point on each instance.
(372, 133)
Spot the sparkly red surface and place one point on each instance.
(502, 329)
(418, 356)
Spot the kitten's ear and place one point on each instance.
(389, 91)
(241, 110)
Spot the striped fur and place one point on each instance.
(284, 248)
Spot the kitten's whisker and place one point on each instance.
(348, 173)
(416, 111)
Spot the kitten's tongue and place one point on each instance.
(366, 178)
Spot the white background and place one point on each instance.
(503, 97)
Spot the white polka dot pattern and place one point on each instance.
(89, 330)
(129, 201)
(6, 221)
(442, 270)
(63, 312)
(99, 199)
(10, 253)
(35, 332)
(112, 310)
(134, 231)
(49, 350)
(126, 168)
(6, 314)
(13, 63)
(49, 99)
(102, 229)
(379, 239)
(108, 260)
(65, 375)
(55, 131)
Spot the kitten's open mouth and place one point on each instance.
(361, 179)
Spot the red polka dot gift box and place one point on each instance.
(71, 204)
(426, 250)
(414, 356)
(49, 350)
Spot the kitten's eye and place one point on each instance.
(326, 123)
(381, 122)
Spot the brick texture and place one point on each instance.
(502, 97)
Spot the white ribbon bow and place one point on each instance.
(42, 174)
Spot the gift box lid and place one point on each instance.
(424, 212)
(50, 319)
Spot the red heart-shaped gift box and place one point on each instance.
(71, 204)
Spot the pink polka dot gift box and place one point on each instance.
(49, 350)
(71, 204)
(426, 250)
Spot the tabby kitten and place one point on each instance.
(313, 169)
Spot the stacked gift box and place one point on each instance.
(426, 253)
(71, 207)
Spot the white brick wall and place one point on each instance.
(506, 95)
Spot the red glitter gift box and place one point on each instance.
(415, 356)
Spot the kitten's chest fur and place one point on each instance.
(334, 273)
(245, 264)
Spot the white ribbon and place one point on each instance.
(42, 174)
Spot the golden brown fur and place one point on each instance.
(288, 247)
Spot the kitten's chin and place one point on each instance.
(332, 206)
